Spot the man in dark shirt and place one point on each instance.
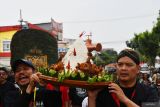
(5, 86)
(127, 91)
(32, 91)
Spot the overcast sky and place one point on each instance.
(111, 22)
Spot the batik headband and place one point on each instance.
(131, 54)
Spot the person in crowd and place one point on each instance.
(5, 86)
(158, 76)
(126, 91)
(146, 79)
(32, 91)
(76, 95)
(140, 77)
(64, 90)
(85, 102)
(65, 97)
(154, 77)
(11, 76)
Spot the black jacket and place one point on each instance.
(44, 98)
(4, 89)
(143, 93)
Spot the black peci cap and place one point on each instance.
(22, 61)
(131, 54)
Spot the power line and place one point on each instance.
(111, 19)
(109, 42)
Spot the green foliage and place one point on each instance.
(105, 57)
(74, 75)
(147, 43)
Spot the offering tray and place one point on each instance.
(74, 83)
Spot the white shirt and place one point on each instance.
(85, 102)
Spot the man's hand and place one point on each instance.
(34, 78)
(114, 88)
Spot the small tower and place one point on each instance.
(23, 24)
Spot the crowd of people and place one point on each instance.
(24, 88)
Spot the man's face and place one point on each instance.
(22, 74)
(3, 76)
(127, 69)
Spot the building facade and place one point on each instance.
(7, 32)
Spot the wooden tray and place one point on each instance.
(74, 83)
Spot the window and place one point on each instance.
(6, 46)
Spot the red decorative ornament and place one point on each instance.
(68, 66)
(74, 52)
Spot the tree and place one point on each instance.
(105, 57)
(147, 43)
(156, 33)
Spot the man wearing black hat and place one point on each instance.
(32, 91)
(5, 86)
(127, 91)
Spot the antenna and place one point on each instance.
(24, 24)
(20, 16)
